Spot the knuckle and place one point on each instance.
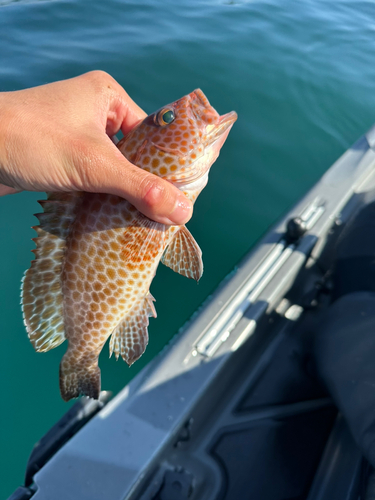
(100, 80)
(99, 75)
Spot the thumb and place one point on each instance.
(105, 170)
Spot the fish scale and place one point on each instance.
(96, 254)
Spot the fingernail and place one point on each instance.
(182, 210)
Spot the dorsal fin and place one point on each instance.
(130, 337)
(41, 286)
(183, 255)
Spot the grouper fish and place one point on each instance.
(96, 254)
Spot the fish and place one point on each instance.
(96, 254)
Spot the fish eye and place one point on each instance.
(168, 116)
(165, 117)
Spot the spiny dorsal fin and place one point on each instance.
(41, 286)
(130, 337)
(183, 255)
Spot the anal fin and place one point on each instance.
(130, 338)
(183, 255)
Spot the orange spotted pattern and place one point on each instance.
(96, 254)
(112, 258)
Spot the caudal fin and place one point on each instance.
(75, 382)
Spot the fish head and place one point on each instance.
(180, 141)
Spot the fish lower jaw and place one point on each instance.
(196, 175)
(192, 189)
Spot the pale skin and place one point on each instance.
(56, 137)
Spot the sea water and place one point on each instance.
(301, 77)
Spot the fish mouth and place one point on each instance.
(218, 125)
(214, 131)
(221, 128)
(215, 138)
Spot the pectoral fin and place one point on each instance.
(183, 255)
(130, 338)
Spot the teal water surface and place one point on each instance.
(301, 77)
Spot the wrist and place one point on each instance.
(5, 114)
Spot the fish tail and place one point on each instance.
(79, 380)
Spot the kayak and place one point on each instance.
(232, 408)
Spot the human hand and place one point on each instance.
(56, 137)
